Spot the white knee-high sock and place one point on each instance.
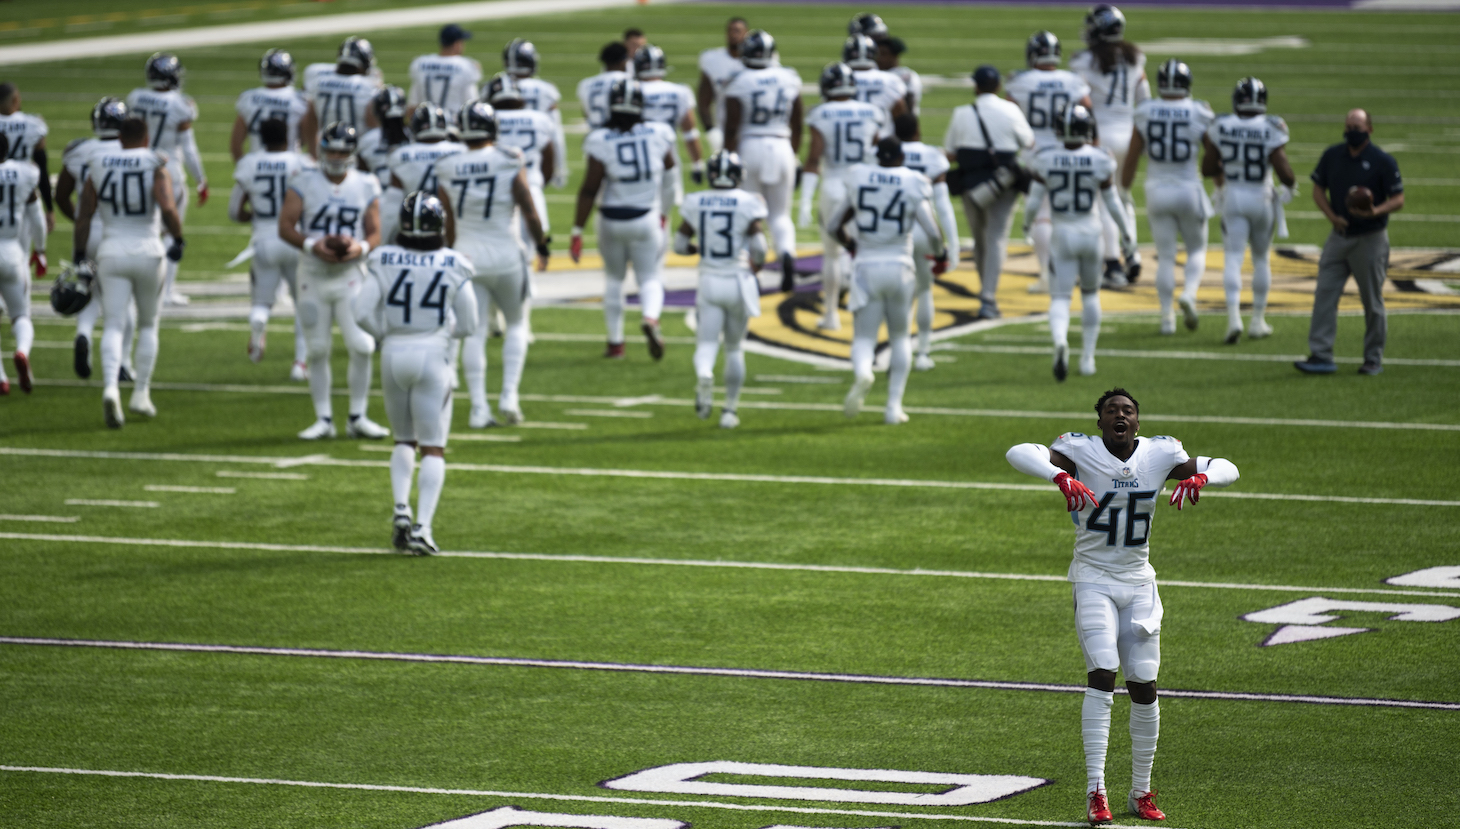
(704, 359)
(24, 334)
(1145, 726)
(1166, 278)
(111, 354)
(1095, 731)
(258, 318)
(1261, 282)
(831, 287)
(862, 352)
(1042, 233)
(1059, 320)
(925, 321)
(359, 381)
(146, 356)
(129, 336)
(613, 309)
(734, 376)
(898, 365)
(301, 345)
(428, 489)
(1232, 285)
(527, 316)
(1089, 321)
(651, 299)
(320, 380)
(402, 465)
(514, 357)
(1196, 265)
(474, 361)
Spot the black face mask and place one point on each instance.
(1355, 138)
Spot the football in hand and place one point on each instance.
(338, 245)
(1360, 198)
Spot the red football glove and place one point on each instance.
(1190, 489)
(575, 248)
(1075, 492)
(38, 258)
(202, 194)
(940, 264)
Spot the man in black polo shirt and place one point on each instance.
(1358, 245)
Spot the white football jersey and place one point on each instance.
(164, 112)
(539, 94)
(765, 97)
(848, 132)
(722, 219)
(449, 81)
(914, 83)
(332, 209)
(1246, 145)
(375, 154)
(1042, 93)
(886, 200)
(130, 218)
(1073, 178)
(1112, 536)
(720, 67)
(343, 98)
(633, 163)
(418, 290)
(667, 102)
(1113, 93)
(415, 164)
(18, 181)
(265, 176)
(593, 97)
(1172, 131)
(479, 184)
(24, 131)
(76, 158)
(879, 88)
(312, 73)
(529, 131)
(926, 159)
(284, 103)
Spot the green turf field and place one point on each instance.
(607, 545)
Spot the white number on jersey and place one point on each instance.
(417, 293)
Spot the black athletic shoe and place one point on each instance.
(124, 376)
(81, 357)
(788, 274)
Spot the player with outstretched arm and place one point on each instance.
(1111, 482)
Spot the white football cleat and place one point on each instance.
(111, 407)
(923, 362)
(176, 299)
(256, 346)
(704, 397)
(141, 403)
(1168, 323)
(853, 404)
(299, 373)
(1188, 313)
(364, 427)
(1234, 333)
(420, 541)
(401, 527)
(1087, 364)
(322, 428)
(511, 413)
(830, 322)
(481, 417)
(1258, 329)
(894, 416)
(728, 419)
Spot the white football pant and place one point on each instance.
(720, 306)
(923, 288)
(622, 241)
(836, 263)
(125, 279)
(87, 317)
(275, 261)
(1120, 628)
(1117, 141)
(770, 170)
(1041, 234)
(882, 291)
(1247, 220)
(15, 290)
(415, 376)
(180, 200)
(1173, 208)
(323, 301)
(501, 281)
(1076, 259)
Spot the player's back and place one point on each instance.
(667, 103)
(479, 184)
(529, 131)
(163, 111)
(1113, 91)
(265, 176)
(886, 202)
(914, 84)
(414, 165)
(76, 158)
(23, 130)
(1041, 94)
(18, 181)
(131, 220)
(374, 153)
(1112, 535)
(925, 158)
(766, 97)
(848, 131)
(264, 103)
(1172, 131)
(538, 94)
(418, 289)
(1072, 179)
(449, 81)
(1246, 144)
(343, 98)
(633, 164)
(879, 88)
(721, 219)
(593, 95)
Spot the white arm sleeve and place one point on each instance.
(1142, 91)
(924, 217)
(667, 189)
(1032, 202)
(1219, 471)
(465, 307)
(1032, 459)
(191, 160)
(36, 222)
(560, 151)
(235, 203)
(1117, 212)
(943, 205)
(808, 191)
(757, 248)
(366, 306)
(681, 243)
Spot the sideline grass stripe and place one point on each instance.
(671, 562)
(660, 474)
(687, 670)
(698, 804)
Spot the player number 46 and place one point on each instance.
(1106, 518)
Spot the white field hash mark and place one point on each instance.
(637, 801)
(198, 490)
(670, 562)
(43, 519)
(689, 670)
(107, 502)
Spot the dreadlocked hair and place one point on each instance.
(1116, 392)
(1109, 54)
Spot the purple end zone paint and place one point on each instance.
(1216, 4)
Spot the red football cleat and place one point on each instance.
(615, 351)
(1144, 806)
(4, 387)
(22, 367)
(1098, 810)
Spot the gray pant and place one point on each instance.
(990, 231)
(1366, 257)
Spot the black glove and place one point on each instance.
(797, 185)
(543, 248)
(175, 250)
(697, 175)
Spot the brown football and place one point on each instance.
(340, 245)
(1360, 198)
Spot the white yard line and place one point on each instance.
(199, 490)
(663, 474)
(802, 378)
(535, 424)
(688, 670)
(485, 438)
(604, 412)
(270, 476)
(671, 562)
(92, 502)
(43, 519)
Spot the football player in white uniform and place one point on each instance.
(169, 115)
(843, 134)
(277, 98)
(1041, 91)
(343, 96)
(314, 71)
(480, 189)
(672, 104)
(519, 60)
(593, 91)
(20, 190)
(890, 200)
(376, 146)
(106, 120)
(717, 67)
(27, 135)
(530, 131)
(448, 78)
(260, 181)
(413, 165)
(129, 187)
(889, 56)
(628, 159)
(1250, 149)
(332, 214)
(874, 86)
(1071, 176)
(763, 122)
(415, 299)
(1115, 69)
(932, 162)
(1166, 131)
(727, 221)
(1111, 482)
